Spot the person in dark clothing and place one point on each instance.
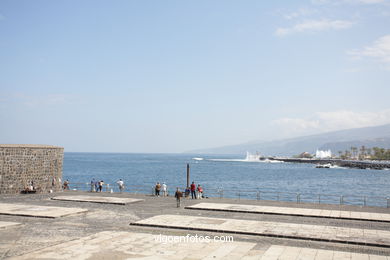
(187, 192)
(97, 186)
(101, 185)
(157, 189)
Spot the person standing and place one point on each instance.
(178, 196)
(66, 185)
(101, 185)
(53, 183)
(193, 190)
(164, 189)
(97, 186)
(187, 192)
(200, 191)
(93, 185)
(121, 185)
(157, 189)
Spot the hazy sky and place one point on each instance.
(171, 76)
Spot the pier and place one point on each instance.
(356, 164)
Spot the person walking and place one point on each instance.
(178, 196)
(193, 190)
(157, 189)
(164, 189)
(200, 191)
(121, 185)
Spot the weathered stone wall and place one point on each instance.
(22, 164)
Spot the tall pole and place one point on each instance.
(188, 175)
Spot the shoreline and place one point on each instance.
(338, 162)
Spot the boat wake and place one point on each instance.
(271, 161)
(249, 158)
(329, 166)
(227, 160)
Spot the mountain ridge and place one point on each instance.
(334, 140)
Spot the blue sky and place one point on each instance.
(171, 76)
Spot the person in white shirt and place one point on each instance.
(121, 185)
(164, 189)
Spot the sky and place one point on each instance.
(152, 76)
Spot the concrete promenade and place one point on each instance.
(130, 245)
(105, 230)
(29, 210)
(98, 199)
(288, 253)
(6, 224)
(357, 236)
(321, 213)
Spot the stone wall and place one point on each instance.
(23, 165)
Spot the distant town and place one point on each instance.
(360, 158)
(354, 153)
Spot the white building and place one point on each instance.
(323, 154)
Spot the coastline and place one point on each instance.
(356, 164)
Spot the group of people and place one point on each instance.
(196, 193)
(97, 186)
(161, 188)
(30, 188)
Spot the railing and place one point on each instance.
(255, 194)
(303, 197)
(107, 187)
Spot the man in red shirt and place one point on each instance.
(193, 189)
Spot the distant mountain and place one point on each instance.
(335, 141)
(369, 143)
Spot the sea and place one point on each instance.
(232, 176)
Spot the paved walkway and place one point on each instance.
(288, 253)
(5, 224)
(277, 229)
(37, 211)
(129, 245)
(98, 199)
(39, 233)
(323, 213)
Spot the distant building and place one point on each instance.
(305, 155)
(323, 154)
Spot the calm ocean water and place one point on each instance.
(232, 176)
